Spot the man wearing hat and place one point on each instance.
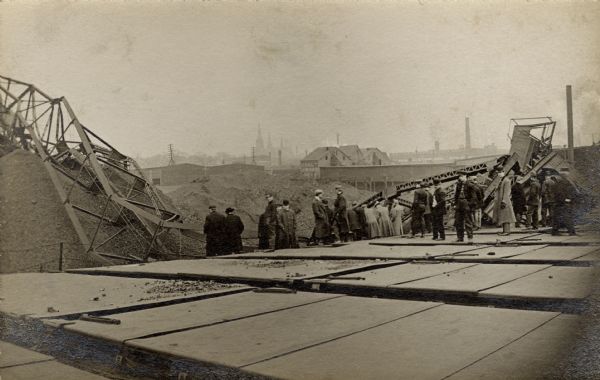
(322, 229)
(214, 229)
(463, 220)
(233, 232)
(340, 214)
(418, 210)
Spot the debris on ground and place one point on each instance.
(172, 288)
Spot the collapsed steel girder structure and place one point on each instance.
(531, 153)
(78, 160)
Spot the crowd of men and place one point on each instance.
(551, 197)
(378, 218)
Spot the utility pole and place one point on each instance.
(171, 155)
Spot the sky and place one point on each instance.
(396, 75)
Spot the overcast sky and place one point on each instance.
(395, 75)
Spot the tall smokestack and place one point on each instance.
(467, 134)
(571, 151)
(437, 146)
(279, 158)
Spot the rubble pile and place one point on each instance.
(33, 220)
(246, 193)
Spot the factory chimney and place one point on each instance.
(570, 150)
(467, 134)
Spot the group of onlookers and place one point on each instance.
(378, 218)
(553, 197)
(429, 208)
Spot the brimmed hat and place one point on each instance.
(212, 207)
(318, 191)
(229, 209)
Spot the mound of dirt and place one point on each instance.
(33, 220)
(246, 193)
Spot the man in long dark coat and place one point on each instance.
(533, 202)
(341, 214)
(418, 211)
(438, 210)
(331, 220)
(354, 224)
(263, 232)
(427, 217)
(518, 200)
(233, 232)
(565, 195)
(362, 219)
(271, 215)
(322, 231)
(286, 226)
(463, 196)
(214, 229)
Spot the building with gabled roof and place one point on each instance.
(323, 156)
(346, 155)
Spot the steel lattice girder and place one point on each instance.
(20, 114)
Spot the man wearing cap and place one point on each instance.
(354, 222)
(322, 229)
(340, 213)
(463, 196)
(233, 232)
(438, 210)
(214, 229)
(418, 211)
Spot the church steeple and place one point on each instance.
(270, 144)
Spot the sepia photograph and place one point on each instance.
(298, 190)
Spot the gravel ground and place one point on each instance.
(33, 220)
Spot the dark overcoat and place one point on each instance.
(322, 229)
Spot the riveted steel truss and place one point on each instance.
(116, 212)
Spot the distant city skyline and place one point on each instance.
(397, 76)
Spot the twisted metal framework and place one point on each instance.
(103, 191)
